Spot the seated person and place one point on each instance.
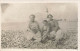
(45, 30)
(55, 30)
(34, 30)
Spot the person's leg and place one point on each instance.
(58, 36)
(44, 37)
(37, 37)
(30, 35)
(52, 35)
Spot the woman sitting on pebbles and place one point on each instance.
(33, 30)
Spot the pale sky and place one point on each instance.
(19, 12)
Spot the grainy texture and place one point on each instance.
(15, 20)
(15, 39)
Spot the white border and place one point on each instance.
(39, 1)
(78, 26)
(34, 0)
(0, 25)
(43, 1)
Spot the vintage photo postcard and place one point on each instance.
(39, 25)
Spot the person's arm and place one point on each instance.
(47, 31)
(28, 28)
(38, 26)
(42, 30)
(56, 26)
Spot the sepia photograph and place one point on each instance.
(39, 25)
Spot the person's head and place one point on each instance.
(45, 22)
(32, 18)
(49, 17)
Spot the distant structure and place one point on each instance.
(47, 11)
(65, 20)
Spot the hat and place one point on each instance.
(32, 15)
(49, 15)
